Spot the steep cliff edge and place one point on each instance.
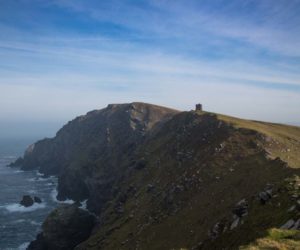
(90, 152)
(152, 174)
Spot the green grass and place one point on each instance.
(277, 239)
(283, 141)
(259, 227)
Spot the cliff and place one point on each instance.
(163, 179)
(90, 153)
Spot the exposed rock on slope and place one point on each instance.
(152, 173)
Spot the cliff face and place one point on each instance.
(152, 173)
(90, 153)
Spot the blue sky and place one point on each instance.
(62, 58)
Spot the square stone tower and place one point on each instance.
(198, 107)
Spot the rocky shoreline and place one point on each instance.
(64, 228)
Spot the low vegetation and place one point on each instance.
(163, 179)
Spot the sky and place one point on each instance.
(62, 58)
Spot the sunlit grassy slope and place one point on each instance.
(277, 239)
(281, 140)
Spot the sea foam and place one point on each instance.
(19, 171)
(84, 204)
(23, 246)
(18, 208)
(54, 198)
(37, 179)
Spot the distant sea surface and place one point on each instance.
(20, 225)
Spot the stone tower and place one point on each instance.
(198, 107)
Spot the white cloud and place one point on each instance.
(55, 76)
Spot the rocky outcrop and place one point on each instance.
(37, 199)
(64, 228)
(27, 201)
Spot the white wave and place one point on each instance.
(23, 246)
(39, 174)
(50, 184)
(54, 198)
(18, 208)
(19, 171)
(9, 157)
(53, 195)
(35, 223)
(84, 205)
(18, 221)
(38, 179)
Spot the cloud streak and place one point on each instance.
(237, 57)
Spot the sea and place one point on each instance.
(20, 225)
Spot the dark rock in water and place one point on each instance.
(38, 244)
(77, 203)
(26, 201)
(64, 228)
(17, 163)
(37, 199)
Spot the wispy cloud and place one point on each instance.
(267, 24)
(238, 57)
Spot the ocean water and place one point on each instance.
(20, 225)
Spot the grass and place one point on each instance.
(218, 164)
(260, 227)
(277, 239)
(282, 141)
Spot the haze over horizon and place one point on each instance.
(63, 58)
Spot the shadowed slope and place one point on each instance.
(197, 168)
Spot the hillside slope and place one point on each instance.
(163, 179)
(198, 167)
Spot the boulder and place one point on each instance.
(241, 208)
(265, 196)
(296, 226)
(289, 224)
(26, 201)
(235, 223)
(217, 229)
(37, 199)
(64, 228)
